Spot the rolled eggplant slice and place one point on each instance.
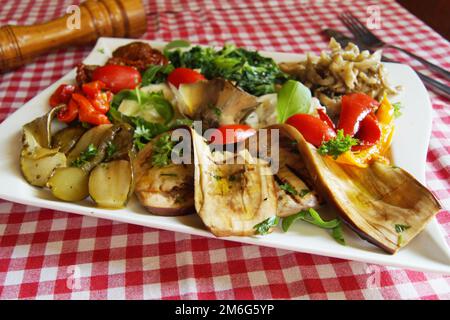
(232, 198)
(293, 194)
(373, 201)
(165, 191)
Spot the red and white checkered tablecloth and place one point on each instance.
(46, 254)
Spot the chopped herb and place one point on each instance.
(217, 111)
(399, 228)
(217, 177)
(304, 192)
(85, 156)
(265, 226)
(288, 188)
(313, 217)
(168, 175)
(397, 109)
(86, 125)
(338, 145)
(101, 50)
(111, 148)
(162, 151)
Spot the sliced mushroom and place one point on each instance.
(232, 198)
(166, 191)
(215, 102)
(373, 201)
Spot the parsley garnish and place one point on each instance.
(288, 188)
(264, 227)
(304, 192)
(85, 156)
(397, 109)
(338, 145)
(162, 150)
(399, 228)
(217, 111)
(111, 148)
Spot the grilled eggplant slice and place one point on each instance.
(110, 184)
(232, 198)
(375, 201)
(37, 171)
(167, 190)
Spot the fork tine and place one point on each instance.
(353, 29)
(354, 20)
(359, 31)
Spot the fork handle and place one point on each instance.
(430, 65)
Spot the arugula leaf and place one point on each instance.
(156, 74)
(264, 226)
(293, 98)
(338, 145)
(175, 44)
(338, 235)
(85, 156)
(162, 151)
(313, 217)
(397, 109)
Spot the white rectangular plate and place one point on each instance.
(427, 252)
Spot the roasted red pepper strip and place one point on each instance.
(369, 133)
(355, 107)
(62, 94)
(325, 118)
(92, 88)
(87, 112)
(69, 113)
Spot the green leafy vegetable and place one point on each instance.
(338, 145)
(288, 188)
(313, 217)
(111, 148)
(85, 156)
(264, 227)
(145, 131)
(338, 235)
(156, 74)
(399, 228)
(293, 98)
(397, 109)
(251, 71)
(162, 151)
(146, 100)
(174, 45)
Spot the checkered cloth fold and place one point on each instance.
(46, 254)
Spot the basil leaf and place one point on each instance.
(293, 98)
(176, 44)
(161, 105)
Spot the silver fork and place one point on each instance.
(364, 35)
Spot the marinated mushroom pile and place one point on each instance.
(232, 137)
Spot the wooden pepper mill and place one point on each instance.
(89, 21)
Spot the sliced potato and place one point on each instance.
(69, 184)
(110, 184)
(38, 171)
